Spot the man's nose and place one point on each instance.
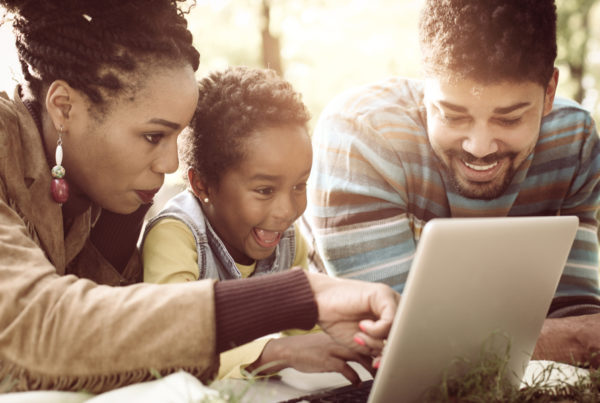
(480, 143)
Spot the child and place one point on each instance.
(248, 156)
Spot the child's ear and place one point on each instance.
(198, 185)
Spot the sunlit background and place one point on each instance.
(325, 46)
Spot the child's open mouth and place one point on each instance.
(266, 239)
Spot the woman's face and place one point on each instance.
(119, 160)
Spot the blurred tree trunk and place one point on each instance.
(271, 48)
(573, 34)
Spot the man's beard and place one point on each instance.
(479, 190)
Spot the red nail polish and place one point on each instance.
(361, 327)
(358, 340)
(376, 364)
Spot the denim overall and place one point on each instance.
(213, 259)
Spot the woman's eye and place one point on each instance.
(154, 138)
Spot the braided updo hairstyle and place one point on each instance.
(233, 105)
(489, 40)
(94, 44)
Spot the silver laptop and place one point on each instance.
(475, 283)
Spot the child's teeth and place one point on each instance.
(267, 236)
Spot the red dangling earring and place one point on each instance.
(59, 186)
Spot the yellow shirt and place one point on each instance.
(170, 256)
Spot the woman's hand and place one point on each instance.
(354, 313)
(314, 352)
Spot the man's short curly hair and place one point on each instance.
(489, 40)
(233, 105)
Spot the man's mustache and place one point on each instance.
(488, 159)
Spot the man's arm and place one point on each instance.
(573, 340)
(571, 334)
(580, 276)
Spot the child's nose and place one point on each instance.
(286, 209)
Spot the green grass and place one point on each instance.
(470, 381)
(485, 380)
(7, 384)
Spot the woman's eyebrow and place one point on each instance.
(164, 122)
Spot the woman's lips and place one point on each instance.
(146, 196)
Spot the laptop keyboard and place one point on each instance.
(344, 394)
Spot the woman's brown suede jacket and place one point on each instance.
(59, 329)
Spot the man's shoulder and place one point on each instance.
(394, 105)
(566, 112)
(389, 92)
(567, 119)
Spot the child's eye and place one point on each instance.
(301, 187)
(264, 191)
(154, 138)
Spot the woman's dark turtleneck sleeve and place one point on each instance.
(250, 308)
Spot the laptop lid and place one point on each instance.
(472, 280)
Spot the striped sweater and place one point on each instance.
(376, 182)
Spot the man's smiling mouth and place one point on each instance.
(481, 167)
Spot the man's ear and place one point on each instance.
(59, 102)
(199, 186)
(550, 92)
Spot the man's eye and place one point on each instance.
(153, 138)
(453, 119)
(509, 122)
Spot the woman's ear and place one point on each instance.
(59, 102)
(198, 185)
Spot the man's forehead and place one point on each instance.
(456, 95)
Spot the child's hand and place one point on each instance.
(314, 352)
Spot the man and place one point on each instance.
(481, 135)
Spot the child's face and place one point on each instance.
(264, 194)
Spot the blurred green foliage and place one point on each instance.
(329, 46)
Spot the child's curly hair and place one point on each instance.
(489, 41)
(234, 104)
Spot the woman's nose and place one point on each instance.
(167, 161)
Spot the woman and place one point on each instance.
(90, 133)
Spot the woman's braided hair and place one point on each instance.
(94, 44)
